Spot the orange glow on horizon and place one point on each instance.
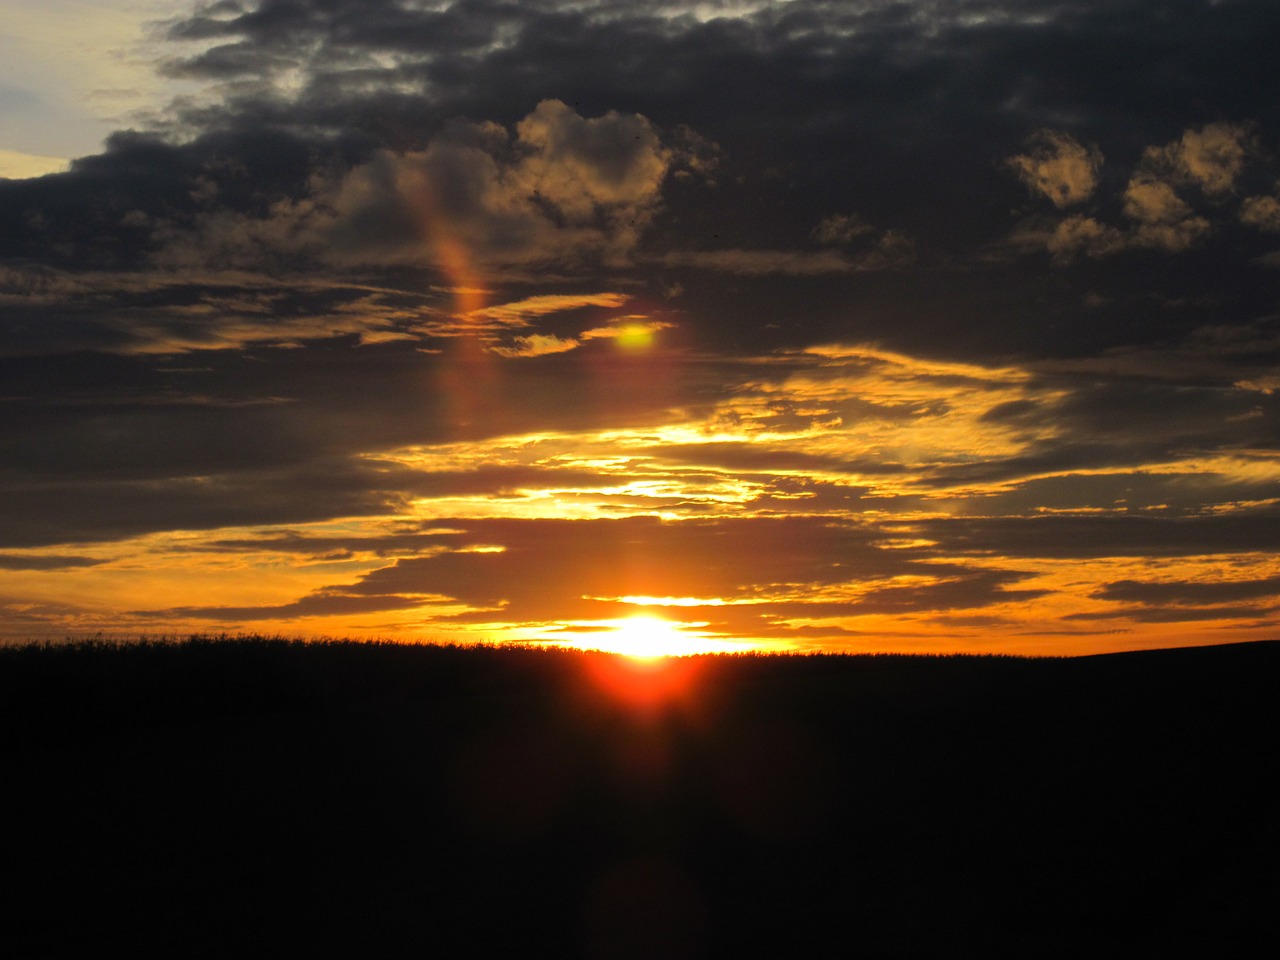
(646, 638)
(646, 666)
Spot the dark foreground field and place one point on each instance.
(243, 798)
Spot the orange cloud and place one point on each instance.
(1058, 167)
(1211, 157)
(517, 312)
(1262, 212)
(536, 345)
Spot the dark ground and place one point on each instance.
(245, 798)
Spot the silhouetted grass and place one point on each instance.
(253, 796)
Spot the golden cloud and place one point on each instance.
(1262, 212)
(1058, 167)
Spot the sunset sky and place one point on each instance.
(935, 325)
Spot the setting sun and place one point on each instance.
(647, 638)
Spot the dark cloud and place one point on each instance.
(91, 509)
(45, 561)
(1193, 594)
(1121, 424)
(903, 112)
(1084, 536)
(531, 571)
(1251, 615)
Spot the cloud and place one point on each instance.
(90, 509)
(841, 229)
(562, 189)
(516, 314)
(760, 262)
(634, 329)
(1173, 237)
(1211, 157)
(1261, 211)
(551, 571)
(49, 311)
(1237, 615)
(1189, 593)
(612, 164)
(1164, 220)
(45, 561)
(1085, 536)
(1079, 234)
(894, 249)
(1150, 200)
(1058, 167)
(536, 345)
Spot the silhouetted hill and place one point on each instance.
(247, 797)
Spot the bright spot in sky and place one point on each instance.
(645, 637)
(636, 336)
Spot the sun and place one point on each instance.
(648, 638)
(645, 637)
(635, 336)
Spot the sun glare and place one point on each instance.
(644, 637)
(649, 671)
(635, 336)
(647, 638)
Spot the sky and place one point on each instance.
(912, 326)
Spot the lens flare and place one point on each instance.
(635, 336)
